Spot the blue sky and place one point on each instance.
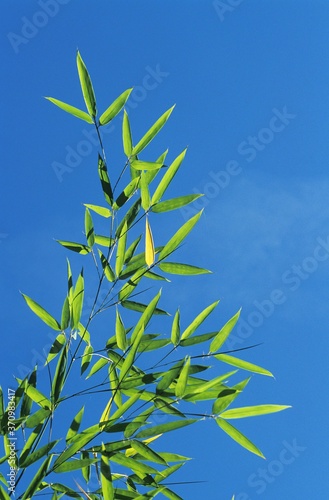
(250, 80)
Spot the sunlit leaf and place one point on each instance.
(108, 271)
(152, 132)
(114, 108)
(175, 329)
(162, 428)
(71, 465)
(183, 269)
(126, 135)
(224, 333)
(145, 192)
(227, 395)
(105, 181)
(179, 236)
(106, 478)
(197, 339)
(149, 245)
(137, 306)
(56, 347)
(104, 241)
(121, 249)
(131, 249)
(238, 437)
(89, 228)
(198, 320)
(130, 216)
(86, 358)
(77, 301)
(71, 110)
(37, 478)
(75, 425)
(127, 193)
(145, 165)
(174, 203)
(59, 376)
(42, 313)
(38, 417)
(104, 212)
(146, 316)
(86, 86)
(75, 247)
(245, 365)
(98, 366)
(252, 411)
(147, 452)
(182, 379)
(167, 178)
(120, 332)
(37, 454)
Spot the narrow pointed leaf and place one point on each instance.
(147, 452)
(75, 425)
(179, 236)
(198, 320)
(37, 478)
(38, 417)
(108, 271)
(174, 203)
(127, 193)
(59, 376)
(137, 306)
(89, 228)
(105, 181)
(130, 215)
(224, 333)
(252, 411)
(169, 376)
(86, 358)
(72, 110)
(162, 428)
(145, 192)
(182, 269)
(182, 379)
(131, 249)
(238, 437)
(245, 365)
(75, 247)
(77, 301)
(104, 241)
(152, 132)
(126, 135)
(197, 339)
(121, 249)
(175, 329)
(65, 319)
(115, 385)
(149, 245)
(120, 332)
(129, 287)
(227, 395)
(145, 165)
(36, 455)
(42, 313)
(151, 174)
(106, 478)
(146, 316)
(104, 212)
(168, 177)
(114, 108)
(56, 347)
(71, 465)
(86, 86)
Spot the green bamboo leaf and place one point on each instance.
(29, 443)
(162, 428)
(121, 411)
(104, 212)
(252, 411)
(77, 443)
(131, 249)
(36, 455)
(137, 306)
(77, 301)
(145, 165)
(71, 109)
(130, 215)
(145, 193)
(4, 493)
(217, 382)
(167, 178)
(97, 366)
(75, 247)
(224, 333)
(86, 86)
(104, 241)
(38, 417)
(198, 320)
(56, 348)
(152, 345)
(152, 132)
(37, 479)
(167, 472)
(108, 272)
(86, 358)
(146, 316)
(42, 313)
(89, 228)
(120, 332)
(86, 471)
(27, 402)
(169, 376)
(106, 477)
(126, 194)
(37, 396)
(121, 249)
(171, 494)
(179, 236)
(132, 464)
(57, 487)
(114, 108)
(155, 276)
(147, 452)
(75, 425)
(84, 334)
(129, 287)
(182, 269)
(182, 379)
(59, 376)
(115, 385)
(245, 365)
(126, 135)
(174, 203)
(105, 181)
(69, 282)
(173, 457)
(71, 465)
(238, 437)
(130, 358)
(65, 319)
(227, 395)
(175, 329)
(151, 174)
(197, 339)
(164, 406)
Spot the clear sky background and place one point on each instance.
(250, 80)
